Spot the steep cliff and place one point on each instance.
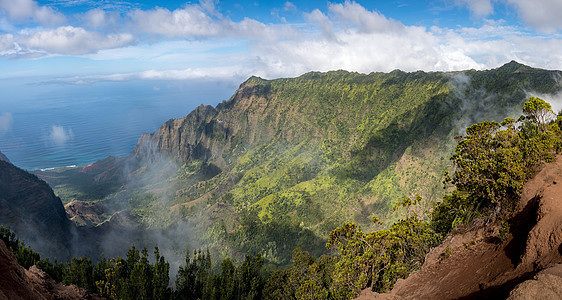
(18, 283)
(478, 265)
(29, 206)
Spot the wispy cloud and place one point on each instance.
(541, 14)
(73, 41)
(59, 136)
(346, 35)
(480, 8)
(28, 10)
(6, 121)
(211, 73)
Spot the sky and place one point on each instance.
(82, 42)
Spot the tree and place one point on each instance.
(378, 258)
(539, 111)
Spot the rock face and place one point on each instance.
(85, 214)
(546, 285)
(18, 283)
(477, 264)
(29, 206)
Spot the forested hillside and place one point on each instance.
(285, 161)
(508, 232)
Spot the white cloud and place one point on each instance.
(59, 135)
(98, 18)
(319, 19)
(176, 44)
(29, 10)
(189, 21)
(347, 37)
(355, 15)
(239, 72)
(353, 38)
(289, 6)
(479, 8)
(544, 15)
(6, 121)
(201, 21)
(6, 42)
(72, 40)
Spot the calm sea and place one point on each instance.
(50, 125)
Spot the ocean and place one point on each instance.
(52, 125)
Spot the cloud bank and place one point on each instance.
(344, 36)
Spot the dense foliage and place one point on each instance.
(285, 161)
(493, 161)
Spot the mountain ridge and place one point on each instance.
(309, 152)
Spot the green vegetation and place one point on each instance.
(285, 161)
(492, 162)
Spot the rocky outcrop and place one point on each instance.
(18, 283)
(546, 285)
(85, 214)
(29, 206)
(477, 264)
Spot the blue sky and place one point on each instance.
(88, 41)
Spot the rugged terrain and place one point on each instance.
(18, 283)
(285, 161)
(478, 265)
(29, 206)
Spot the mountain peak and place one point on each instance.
(513, 67)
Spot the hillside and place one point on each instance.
(3, 157)
(29, 207)
(285, 161)
(17, 282)
(479, 265)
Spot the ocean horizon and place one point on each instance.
(46, 126)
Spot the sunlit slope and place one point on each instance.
(285, 161)
(340, 139)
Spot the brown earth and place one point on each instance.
(479, 265)
(85, 213)
(18, 283)
(546, 285)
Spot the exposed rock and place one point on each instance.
(546, 285)
(482, 266)
(84, 213)
(18, 283)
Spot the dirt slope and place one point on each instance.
(18, 283)
(478, 265)
(546, 285)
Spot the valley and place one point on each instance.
(267, 177)
(304, 154)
